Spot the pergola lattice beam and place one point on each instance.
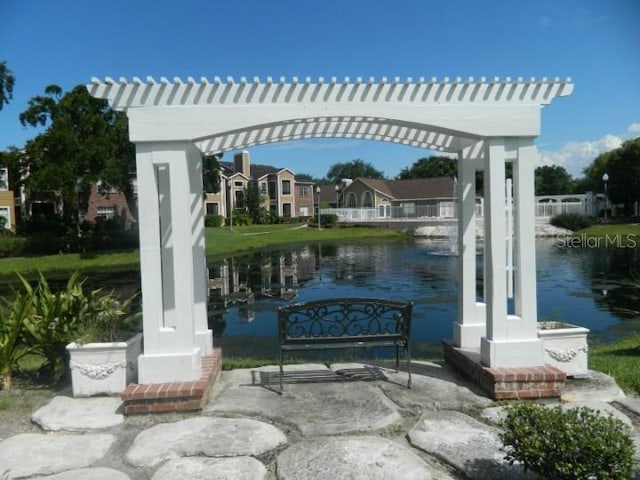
(124, 94)
(335, 127)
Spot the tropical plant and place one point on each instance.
(54, 320)
(12, 323)
(108, 319)
(577, 443)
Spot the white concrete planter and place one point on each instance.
(104, 368)
(565, 346)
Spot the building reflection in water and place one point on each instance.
(239, 281)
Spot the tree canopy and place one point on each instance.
(429, 167)
(85, 141)
(7, 81)
(553, 180)
(353, 169)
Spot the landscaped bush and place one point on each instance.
(326, 220)
(240, 218)
(212, 220)
(568, 444)
(11, 246)
(572, 221)
(42, 320)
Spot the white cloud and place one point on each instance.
(575, 156)
(634, 128)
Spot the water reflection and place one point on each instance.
(585, 286)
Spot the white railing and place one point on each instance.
(442, 210)
(554, 208)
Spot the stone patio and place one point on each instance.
(341, 421)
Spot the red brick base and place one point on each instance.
(506, 383)
(176, 396)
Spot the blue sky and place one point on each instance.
(596, 43)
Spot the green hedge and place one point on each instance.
(572, 444)
(11, 246)
(572, 221)
(212, 220)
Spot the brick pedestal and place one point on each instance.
(176, 396)
(545, 381)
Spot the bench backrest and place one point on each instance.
(343, 319)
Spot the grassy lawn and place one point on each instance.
(624, 234)
(220, 242)
(621, 360)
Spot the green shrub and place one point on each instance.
(568, 444)
(212, 220)
(326, 220)
(11, 246)
(240, 218)
(572, 221)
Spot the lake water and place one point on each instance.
(585, 286)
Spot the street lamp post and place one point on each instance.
(318, 192)
(337, 196)
(605, 179)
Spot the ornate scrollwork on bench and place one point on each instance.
(344, 323)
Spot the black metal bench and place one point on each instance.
(345, 323)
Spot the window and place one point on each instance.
(238, 184)
(272, 190)
(263, 188)
(367, 200)
(303, 190)
(213, 208)
(351, 200)
(4, 217)
(4, 179)
(286, 210)
(286, 187)
(106, 213)
(304, 211)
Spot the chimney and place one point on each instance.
(241, 163)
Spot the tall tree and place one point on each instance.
(553, 180)
(211, 173)
(622, 166)
(7, 81)
(353, 169)
(623, 169)
(85, 142)
(253, 201)
(429, 167)
(11, 159)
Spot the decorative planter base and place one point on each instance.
(565, 347)
(104, 368)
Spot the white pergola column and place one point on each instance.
(172, 257)
(511, 341)
(471, 324)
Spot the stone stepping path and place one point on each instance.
(79, 414)
(465, 443)
(98, 473)
(30, 454)
(204, 436)
(197, 468)
(361, 457)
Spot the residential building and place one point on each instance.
(7, 201)
(419, 197)
(281, 192)
(110, 204)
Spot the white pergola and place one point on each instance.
(487, 123)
